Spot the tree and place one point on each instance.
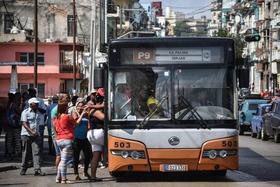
(239, 44)
(180, 28)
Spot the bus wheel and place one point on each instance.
(276, 136)
(220, 173)
(263, 135)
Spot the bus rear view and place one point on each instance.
(171, 105)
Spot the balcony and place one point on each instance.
(68, 68)
(262, 53)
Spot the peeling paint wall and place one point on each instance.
(52, 18)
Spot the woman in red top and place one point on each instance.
(64, 128)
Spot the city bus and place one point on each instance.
(171, 105)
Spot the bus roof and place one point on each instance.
(161, 40)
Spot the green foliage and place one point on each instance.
(239, 43)
(181, 28)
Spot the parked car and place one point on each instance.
(246, 110)
(272, 122)
(258, 120)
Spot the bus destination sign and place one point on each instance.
(181, 55)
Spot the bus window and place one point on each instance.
(138, 91)
(205, 91)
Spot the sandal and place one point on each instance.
(58, 180)
(66, 182)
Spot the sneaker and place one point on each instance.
(23, 171)
(39, 173)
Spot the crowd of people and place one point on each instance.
(75, 131)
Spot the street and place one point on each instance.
(259, 166)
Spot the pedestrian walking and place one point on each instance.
(30, 136)
(64, 128)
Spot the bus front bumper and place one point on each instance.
(128, 155)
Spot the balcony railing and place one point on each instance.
(68, 68)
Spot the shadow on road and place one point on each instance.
(258, 166)
(173, 177)
(14, 184)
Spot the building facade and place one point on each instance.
(54, 69)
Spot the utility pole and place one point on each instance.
(92, 44)
(272, 79)
(74, 47)
(36, 44)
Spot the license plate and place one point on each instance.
(173, 167)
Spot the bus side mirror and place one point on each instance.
(98, 78)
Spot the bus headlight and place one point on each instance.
(129, 153)
(212, 154)
(124, 154)
(135, 155)
(223, 153)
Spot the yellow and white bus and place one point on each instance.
(171, 105)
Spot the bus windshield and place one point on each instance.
(136, 92)
(207, 92)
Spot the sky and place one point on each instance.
(196, 8)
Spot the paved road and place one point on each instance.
(259, 167)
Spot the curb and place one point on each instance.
(6, 168)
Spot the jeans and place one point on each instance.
(66, 153)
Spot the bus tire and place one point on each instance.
(220, 173)
(276, 136)
(263, 135)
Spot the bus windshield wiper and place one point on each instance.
(198, 117)
(151, 113)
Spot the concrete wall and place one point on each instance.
(52, 18)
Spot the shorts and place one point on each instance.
(56, 148)
(96, 139)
